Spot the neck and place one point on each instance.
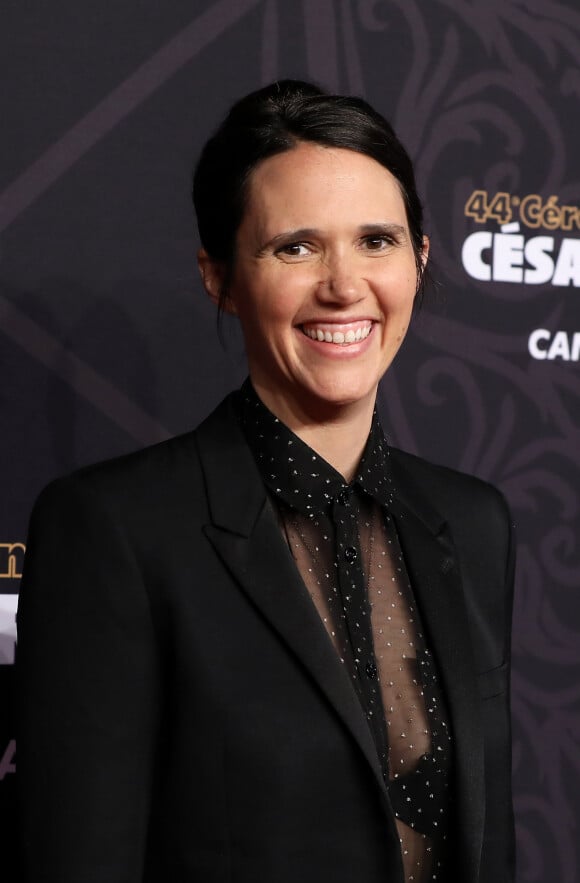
(338, 433)
(341, 443)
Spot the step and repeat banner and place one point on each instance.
(107, 342)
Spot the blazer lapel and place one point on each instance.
(245, 534)
(434, 571)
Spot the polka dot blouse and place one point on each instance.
(347, 551)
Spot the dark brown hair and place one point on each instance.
(273, 120)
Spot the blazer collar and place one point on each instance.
(245, 533)
(298, 475)
(235, 492)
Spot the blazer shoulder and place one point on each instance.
(148, 479)
(460, 498)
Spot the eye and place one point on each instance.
(294, 250)
(377, 242)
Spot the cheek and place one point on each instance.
(278, 303)
(398, 295)
(409, 286)
(264, 295)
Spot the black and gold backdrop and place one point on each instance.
(108, 344)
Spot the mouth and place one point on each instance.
(344, 334)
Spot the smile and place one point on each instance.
(348, 334)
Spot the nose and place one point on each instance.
(340, 282)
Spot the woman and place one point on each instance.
(278, 649)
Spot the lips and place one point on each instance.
(342, 335)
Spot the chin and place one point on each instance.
(345, 395)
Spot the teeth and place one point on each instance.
(338, 337)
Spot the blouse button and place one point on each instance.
(350, 554)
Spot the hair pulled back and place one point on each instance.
(275, 119)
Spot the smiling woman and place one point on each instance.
(323, 280)
(290, 659)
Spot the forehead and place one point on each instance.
(318, 181)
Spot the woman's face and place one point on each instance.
(323, 279)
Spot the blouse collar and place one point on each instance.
(299, 476)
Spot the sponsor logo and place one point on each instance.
(11, 560)
(8, 605)
(517, 253)
(544, 344)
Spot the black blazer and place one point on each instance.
(184, 717)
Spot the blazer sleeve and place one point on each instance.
(484, 539)
(88, 682)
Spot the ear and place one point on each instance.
(420, 270)
(425, 251)
(423, 257)
(214, 275)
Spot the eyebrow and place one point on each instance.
(313, 232)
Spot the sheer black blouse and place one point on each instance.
(347, 552)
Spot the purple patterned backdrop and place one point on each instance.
(107, 342)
